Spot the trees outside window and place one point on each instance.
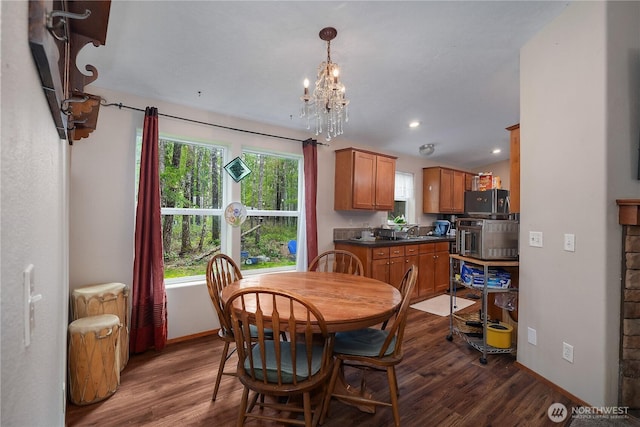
(271, 194)
(193, 199)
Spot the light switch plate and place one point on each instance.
(535, 239)
(27, 285)
(567, 352)
(570, 242)
(29, 299)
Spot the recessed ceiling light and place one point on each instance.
(414, 124)
(496, 151)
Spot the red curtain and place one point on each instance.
(310, 153)
(148, 295)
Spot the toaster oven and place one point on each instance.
(487, 239)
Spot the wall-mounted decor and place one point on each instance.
(237, 169)
(58, 30)
(235, 214)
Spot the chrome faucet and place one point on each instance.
(413, 230)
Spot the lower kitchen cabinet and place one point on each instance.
(378, 267)
(390, 263)
(401, 263)
(433, 270)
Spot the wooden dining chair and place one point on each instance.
(280, 368)
(221, 272)
(373, 349)
(337, 261)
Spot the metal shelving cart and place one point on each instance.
(478, 343)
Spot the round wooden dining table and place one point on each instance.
(346, 301)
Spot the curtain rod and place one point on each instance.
(120, 106)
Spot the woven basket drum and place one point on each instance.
(106, 298)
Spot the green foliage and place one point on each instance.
(192, 177)
(272, 184)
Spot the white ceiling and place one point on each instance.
(452, 65)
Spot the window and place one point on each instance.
(191, 198)
(404, 198)
(271, 194)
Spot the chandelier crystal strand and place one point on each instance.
(327, 104)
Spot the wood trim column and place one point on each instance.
(628, 211)
(514, 168)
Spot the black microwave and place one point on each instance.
(489, 202)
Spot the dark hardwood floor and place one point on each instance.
(441, 383)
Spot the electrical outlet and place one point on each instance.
(570, 242)
(535, 239)
(567, 352)
(532, 336)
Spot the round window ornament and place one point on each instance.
(235, 214)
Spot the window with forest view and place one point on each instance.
(270, 194)
(192, 183)
(191, 197)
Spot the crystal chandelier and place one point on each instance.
(327, 106)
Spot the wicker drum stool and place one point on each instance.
(106, 298)
(93, 359)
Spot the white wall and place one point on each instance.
(33, 177)
(579, 124)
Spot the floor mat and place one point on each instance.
(440, 305)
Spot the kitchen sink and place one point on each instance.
(424, 237)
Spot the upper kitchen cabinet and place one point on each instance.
(364, 180)
(514, 166)
(443, 190)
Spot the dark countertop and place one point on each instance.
(381, 242)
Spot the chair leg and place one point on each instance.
(243, 407)
(223, 359)
(317, 410)
(393, 391)
(254, 399)
(332, 383)
(306, 399)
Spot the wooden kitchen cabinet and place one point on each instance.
(443, 190)
(468, 182)
(379, 263)
(389, 264)
(364, 180)
(514, 168)
(433, 270)
(441, 267)
(400, 263)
